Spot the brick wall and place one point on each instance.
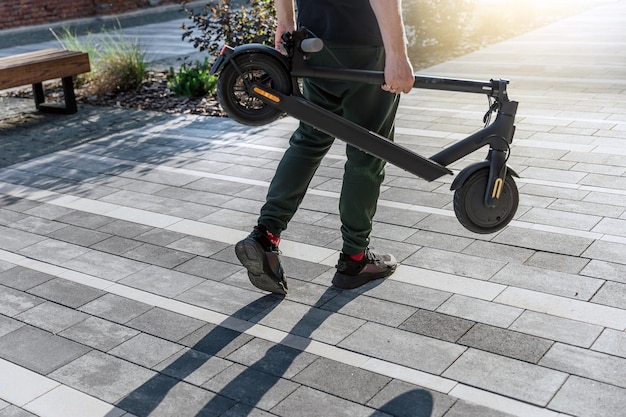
(19, 13)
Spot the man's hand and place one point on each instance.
(286, 21)
(399, 77)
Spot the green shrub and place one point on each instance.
(222, 24)
(192, 80)
(117, 64)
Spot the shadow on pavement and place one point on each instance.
(244, 392)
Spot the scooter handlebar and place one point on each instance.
(311, 45)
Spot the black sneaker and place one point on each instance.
(352, 274)
(260, 257)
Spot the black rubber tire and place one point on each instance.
(469, 206)
(232, 88)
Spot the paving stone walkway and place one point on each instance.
(120, 294)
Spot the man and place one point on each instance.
(361, 34)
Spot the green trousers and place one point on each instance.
(366, 105)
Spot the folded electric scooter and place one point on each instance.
(257, 84)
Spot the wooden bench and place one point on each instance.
(49, 64)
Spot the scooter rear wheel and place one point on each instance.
(233, 88)
(470, 209)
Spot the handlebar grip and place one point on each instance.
(310, 45)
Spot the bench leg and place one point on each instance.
(40, 96)
(68, 95)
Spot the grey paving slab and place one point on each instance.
(13, 239)
(544, 241)
(78, 235)
(347, 382)
(13, 302)
(404, 400)
(37, 225)
(588, 364)
(500, 252)
(455, 263)
(158, 255)
(369, 308)
(611, 342)
(165, 324)
(87, 220)
(507, 376)
(241, 409)
(557, 328)
(611, 294)
(401, 347)
(123, 228)
(548, 281)
(145, 350)
(21, 278)
(216, 340)
(224, 298)
(98, 333)
(506, 343)
(305, 402)
(556, 262)
(51, 317)
(66, 292)
(7, 325)
(13, 411)
(251, 386)
(586, 397)
(102, 376)
(439, 241)
(309, 322)
(116, 245)
(275, 359)
(115, 308)
(162, 281)
(402, 293)
(192, 366)
(208, 268)
(480, 311)
(163, 396)
(105, 265)
(606, 251)
(437, 325)
(8, 217)
(39, 350)
(605, 270)
(466, 409)
(53, 251)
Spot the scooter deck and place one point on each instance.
(349, 132)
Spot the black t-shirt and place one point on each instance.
(343, 21)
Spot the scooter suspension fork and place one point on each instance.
(497, 175)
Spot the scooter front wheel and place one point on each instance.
(234, 83)
(470, 209)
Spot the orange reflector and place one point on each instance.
(266, 94)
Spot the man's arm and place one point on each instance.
(285, 20)
(399, 77)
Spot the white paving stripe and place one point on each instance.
(417, 276)
(48, 398)
(554, 305)
(159, 219)
(45, 397)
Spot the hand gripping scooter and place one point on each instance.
(257, 84)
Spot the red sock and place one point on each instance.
(273, 238)
(357, 258)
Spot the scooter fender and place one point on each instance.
(468, 171)
(229, 53)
